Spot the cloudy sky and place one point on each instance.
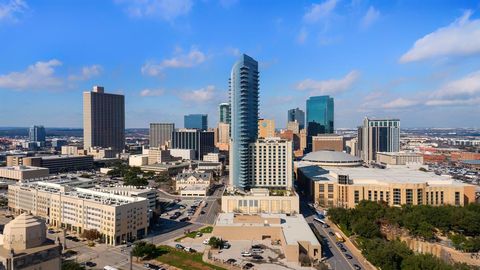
(416, 60)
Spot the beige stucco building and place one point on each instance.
(396, 186)
(24, 245)
(292, 233)
(118, 218)
(399, 158)
(329, 142)
(23, 172)
(266, 128)
(193, 184)
(260, 200)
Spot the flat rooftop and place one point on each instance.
(295, 228)
(23, 168)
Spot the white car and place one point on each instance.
(206, 241)
(246, 254)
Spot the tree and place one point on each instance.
(72, 265)
(215, 242)
(91, 235)
(143, 249)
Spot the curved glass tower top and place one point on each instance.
(244, 88)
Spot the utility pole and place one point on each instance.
(130, 258)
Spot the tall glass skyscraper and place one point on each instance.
(244, 88)
(196, 121)
(224, 113)
(297, 115)
(320, 111)
(37, 134)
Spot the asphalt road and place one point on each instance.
(335, 257)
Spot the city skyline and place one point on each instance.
(175, 62)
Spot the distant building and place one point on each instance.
(202, 142)
(293, 126)
(60, 163)
(159, 155)
(244, 90)
(303, 139)
(37, 134)
(118, 218)
(224, 113)
(193, 184)
(70, 150)
(212, 157)
(21, 172)
(24, 245)
(185, 154)
(329, 142)
(138, 160)
(100, 153)
(103, 120)
(352, 146)
(223, 135)
(196, 121)
(399, 158)
(296, 115)
(161, 134)
(272, 163)
(378, 135)
(332, 159)
(320, 113)
(266, 128)
(58, 143)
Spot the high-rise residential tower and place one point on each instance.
(296, 115)
(224, 113)
(103, 120)
(378, 135)
(244, 90)
(36, 134)
(161, 133)
(320, 111)
(196, 121)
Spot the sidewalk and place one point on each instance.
(353, 249)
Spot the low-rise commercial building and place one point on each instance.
(184, 154)
(21, 172)
(291, 232)
(396, 186)
(399, 158)
(193, 184)
(60, 163)
(118, 218)
(261, 200)
(137, 160)
(24, 245)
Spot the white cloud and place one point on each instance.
(233, 51)
(400, 103)
(191, 59)
(152, 92)
(453, 102)
(201, 95)
(87, 73)
(466, 86)
(167, 10)
(462, 37)
(320, 11)
(302, 36)
(329, 86)
(37, 76)
(10, 9)
(370, 17)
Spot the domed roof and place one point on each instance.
(331, 157)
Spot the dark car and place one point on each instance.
(357, 267)
(90, 264)
(257, 246)
(179, 246)
(202, 212)
(331, 233)
(205, 205)
(343, 249)
(257, 257)
(231, 261)
(184, 219)
(348, 256)
(248, 266)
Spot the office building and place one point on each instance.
(303, 139)
(161, 134)
(399, 158)
(378, 135)
(351, 146)
(244, 91)
(223, 133)
(24, 245)
(320, 112)
(329, 142)
(159, 155)
(272, 163)
(196, 121)
(396, 186)
(193, 184)
(118, 218)
(203, 142)
(58, 143)
(138, 160)
(60, 163)
(103, 120)
(293, 126)
(22, 172)
(266, 128)
(296, 115)
(37, 134)
(183, 154)
(224, 113)
(261, 200)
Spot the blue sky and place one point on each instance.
(416, 60)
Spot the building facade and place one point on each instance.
(296, 115)
(21, 172)
(244, 91)
(260, 200)
(399, 158)
(272, 163)
(193, 184)
(320, 113)
(329, 142)
(196, 121)
(203, 142)
(103, 119)
(160, 134)
(266, 128)
(378, 135)
(60, 163)
(36, 134)
(118, 218)
(224, 113)
(294, 126)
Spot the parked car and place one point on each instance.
(348, 256)
(246, 254)
(256, 246)
(231, 261)
(257, 250)
(179, 246)
(206, 241)
(226, 246)
(90, 264)
(257, 257)
(248, 266)
(343, 249)
(184, 219)
(199, 234)
(331, 233)
(357, 267)
(202, 212)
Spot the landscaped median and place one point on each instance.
(183, 260)
(193, 234)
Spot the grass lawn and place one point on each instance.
(184, 260)
(193, 234)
